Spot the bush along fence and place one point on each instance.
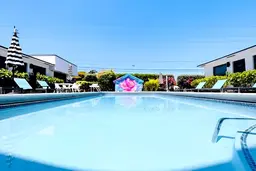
(240, 79)
(184, 81)
(105, 80)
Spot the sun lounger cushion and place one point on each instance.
(43, 84)
(219, 84)
(22, 83)
(200, 85)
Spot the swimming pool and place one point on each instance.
(124, 132)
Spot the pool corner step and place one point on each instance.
(244, 159)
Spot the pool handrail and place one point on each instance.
(219, 123)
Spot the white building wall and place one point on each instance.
(247, 55)
(36, 62)
(50, 59)
(61, 65)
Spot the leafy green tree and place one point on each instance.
(105, 80)
(92, 72)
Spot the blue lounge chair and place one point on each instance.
(44, 85)
(198, 87)
(218, 86)
(22, 83)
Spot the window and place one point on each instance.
(239, 66)
(254, 61)
(2, 62)
(60, 76)
(22, 68)
(220, 70)
(38, 69)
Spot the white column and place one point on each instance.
(28, 67)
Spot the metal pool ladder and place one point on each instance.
(219, 124)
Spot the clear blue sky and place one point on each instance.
(120, 33)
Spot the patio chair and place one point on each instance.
(218, 86)
(198, 87)
(239, 89)
(58, 88)
(67, 87)
(44, 86)
(75, 87)
(96, 87)
(22, 84)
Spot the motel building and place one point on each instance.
(50, 65)
(242, 60)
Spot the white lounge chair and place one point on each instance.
(67, 87)
(75, 87)
(95, 86)
(58, 88)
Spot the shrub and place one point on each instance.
(92, 72)
(54, 80)
(105, 80)
(85, 85)
(171, 82)
(21, 75)
(91, 78)
(77, 78)
(41, 77)
(118, 75)
(81, 74)
(146, 77)
(48, 78)
(151, 85)
(242, 79)
(239, 79)
(184, 81)
(4, 73)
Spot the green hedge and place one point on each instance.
(4, 73)
(90, 78)
(85, 85)
(151, 85)
(240, 79)
(184, 81)
(210, 81)
(48, 78)
(105, 80)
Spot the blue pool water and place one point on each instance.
(135, 132)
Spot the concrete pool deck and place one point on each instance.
(17, 98)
